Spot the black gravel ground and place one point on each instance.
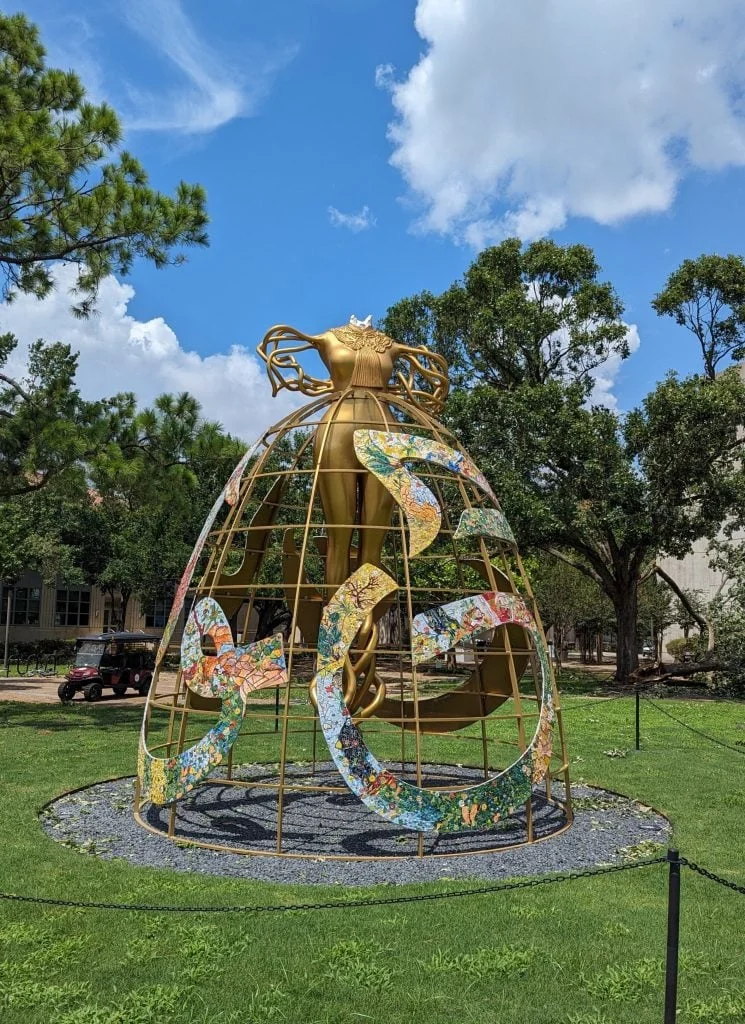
(607, 829)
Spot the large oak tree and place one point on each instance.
(606, 493)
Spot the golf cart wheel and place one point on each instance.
(94, 691)
(144, 686)
(66, 691)
(119, 691)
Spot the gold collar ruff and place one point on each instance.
(358, 338)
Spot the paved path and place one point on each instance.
(43, 690)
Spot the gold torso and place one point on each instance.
(357, 357)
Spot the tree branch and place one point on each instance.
(704, 623)
(586, 570)
(682, 597)
(16, 387)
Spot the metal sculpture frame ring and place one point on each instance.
(231, 676)
(414, 807)
(434, 632)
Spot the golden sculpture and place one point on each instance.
(307, 516)
(361, 361)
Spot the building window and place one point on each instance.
(156, 612)
(25, 606)
(73, 608)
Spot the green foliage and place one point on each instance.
(729, 621)
(152, 494)
(358, 963)
(655, 605)
(707, 295)
(26, 992)
(683, 616)
(725, 616)
(156, 1005)
(568, 599)
(695, 644)
(724, 1009)
(625, 981)
(487, 962)
(65, 199)
(607, 492)
(685, 439)
(60, 198)
(260, 967)
(641, 851)
(47, 431)
(520, 316)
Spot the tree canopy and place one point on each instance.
(520, 316)
(707, 295)
(68, 195)
(47, 431)
(151, 496)
(603, 492)
(63, 196)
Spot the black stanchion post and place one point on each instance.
(276, 709)
(638, 705)
(673, 933)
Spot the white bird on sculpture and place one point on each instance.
(367, 322)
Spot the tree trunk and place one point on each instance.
(627, 651)
(274, 617)
(125, 602)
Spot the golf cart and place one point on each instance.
(118, 660)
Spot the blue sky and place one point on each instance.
(609, 124)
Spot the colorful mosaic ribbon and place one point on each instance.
(423, 810)
(383, 454)
(228, 494)
(484, 522)
(231, 675)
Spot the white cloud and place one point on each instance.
(606, 374)
(120, 353)
(384, 76)
(209, 93)
(520, 115)
(352, 221)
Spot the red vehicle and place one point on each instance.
(116, 660)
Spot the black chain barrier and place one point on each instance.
(382, 901)
(691, 728)
(712, 877)
(673, 859)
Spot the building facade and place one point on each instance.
(40, 611)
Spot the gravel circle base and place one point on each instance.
(98, 820)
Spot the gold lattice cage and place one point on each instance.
(445, 724)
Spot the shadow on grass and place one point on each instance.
(576, 680)
(67, 716)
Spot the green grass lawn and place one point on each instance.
(584, 952)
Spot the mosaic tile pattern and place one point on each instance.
(228, 494)
(231, 675)
(484, 522)
(383, 454)
(424, 810)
